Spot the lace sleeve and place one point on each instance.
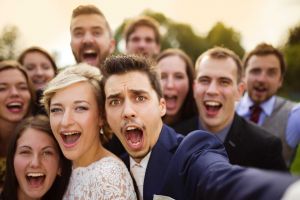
(106, 179)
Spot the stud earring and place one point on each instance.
(101, 131)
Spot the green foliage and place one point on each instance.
(181, 35)
(291, 50)
(8, 39)
(220, 35)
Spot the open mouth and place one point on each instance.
(70, 138)
(90, 56)
(260, 89)
(212, 107)
(171, 101)
(35, 179)
(134, 137)
(14, 107)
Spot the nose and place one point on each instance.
(67, 118)
(170, 82)
(14, 91)
(128, 110)
(39, 70)
(212, 88)
(88, 37)
(35, 161)
(261, 76)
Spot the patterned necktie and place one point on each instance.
(255, 112)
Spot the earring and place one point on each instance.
(101, 131)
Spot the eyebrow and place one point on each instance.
(134, 91)
(76, 102)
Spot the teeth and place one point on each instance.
(89, 51)
(14, 104)
(212, 103)
(35, 174)
(70, 133)
(129, 128)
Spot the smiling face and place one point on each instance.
(90, 39)
(39, 69)
(14, 95)
(142, 41)
(36, 163)
(215, 91)
(75, 121)
(263, 77)
(134, 112)
(175, 83)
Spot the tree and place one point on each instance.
(291, 50)
(8, 40)
(220, 35)
(181, 35)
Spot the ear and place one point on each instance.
(162, 106)
(112, 46)
(241, 89)
(59, 171)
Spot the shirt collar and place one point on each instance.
(143, 163)
(246, 103)
(221, 135)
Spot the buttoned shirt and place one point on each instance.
(138, 171)
(292, 133)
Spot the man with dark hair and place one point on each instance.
(264, 72)
(218, 85)
(91, 37)
(161, 161)
(142, 37)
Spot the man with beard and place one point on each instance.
(264, 71)
(91, 36)
(142, 37)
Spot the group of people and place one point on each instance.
(146, 124)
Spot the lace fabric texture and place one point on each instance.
(105, 179)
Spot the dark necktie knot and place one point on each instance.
(255, 113)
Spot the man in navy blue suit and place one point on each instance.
(160, 160)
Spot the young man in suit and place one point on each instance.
(218, 85)
(264, 74)
(161, 161)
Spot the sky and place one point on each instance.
(46, 23)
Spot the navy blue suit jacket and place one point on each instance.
(197, 167)
(159, 160)
(200, 170)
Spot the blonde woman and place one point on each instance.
(73, 102)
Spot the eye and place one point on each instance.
(203, 81)
(225, 82)
(55, 110)
(23, 87)
(255, 71)
(81, 108)
(30, 67)
(140, 98)
(47, 153)
(46, 67)
(115, 102)
(24, 152)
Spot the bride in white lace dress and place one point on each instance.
(73, 102)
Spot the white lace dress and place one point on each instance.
(105, 179)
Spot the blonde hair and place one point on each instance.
(74, 74)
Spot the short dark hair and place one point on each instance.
(264, 49)
(222, 53)
(142, 21)
(121, 64)
(89, 10)
(38, 122)
(39, 50)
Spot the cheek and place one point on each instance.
(19, 165)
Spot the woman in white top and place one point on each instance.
(73, 102)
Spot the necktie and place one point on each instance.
(138, 173)
(255, 112)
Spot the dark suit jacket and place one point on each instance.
(248, 144)
(160, 157)
(199, 170)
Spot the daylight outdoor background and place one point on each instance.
(195, 25)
